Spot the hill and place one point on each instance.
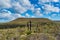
(23, 22)
(30, 29)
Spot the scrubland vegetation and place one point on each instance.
(30, 29)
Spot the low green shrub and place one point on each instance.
(28, 32)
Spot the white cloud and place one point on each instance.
(33, 16)
(55, 0)
(27, 15)
(19, 6)
(25, 3)
(5, 3)
(53, 15)
(44, 1)
(18, 15)
(50, 8)
(8, 15)
(38, 12)
(5, 13)
(23, 6)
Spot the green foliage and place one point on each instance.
(28, 32)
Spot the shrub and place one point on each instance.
(28, 32)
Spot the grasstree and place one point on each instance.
(40, 36)
(29, 28)
(29, 25)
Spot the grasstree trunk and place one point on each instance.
(29, 25)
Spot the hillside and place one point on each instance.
(30, 29)
(24, 21)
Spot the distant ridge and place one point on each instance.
(23, 22)
(32, 19)
(20, 20)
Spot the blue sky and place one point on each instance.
(12, 9)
